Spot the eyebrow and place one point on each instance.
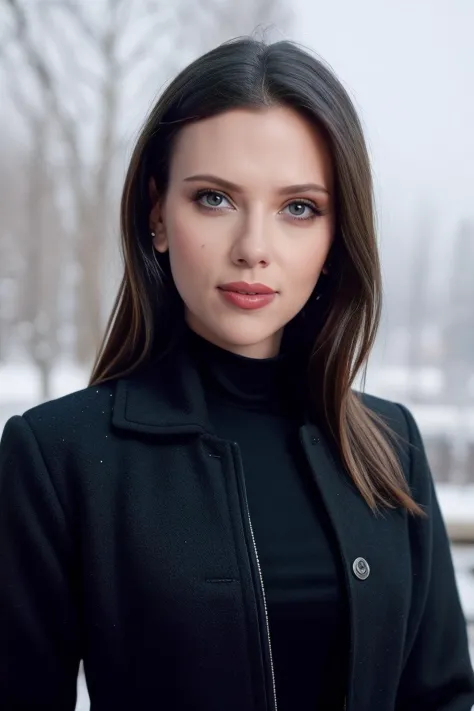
(227, 185)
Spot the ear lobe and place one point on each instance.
(157, 227)
(159, 238)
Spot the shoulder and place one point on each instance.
(406, 436)
(67, 424)
(392, 413)
(397, 416)
(64, 441)
(74, 410)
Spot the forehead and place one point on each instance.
(243, 145)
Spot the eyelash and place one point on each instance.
(317, 212)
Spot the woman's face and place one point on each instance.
(249, 208)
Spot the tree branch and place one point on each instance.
(43, 76)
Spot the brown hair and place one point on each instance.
(341, 325)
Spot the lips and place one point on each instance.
(242, 287)
(247, 297)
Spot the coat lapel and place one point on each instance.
(381, 540)
(165, 398)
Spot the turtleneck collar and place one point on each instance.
(252, 383)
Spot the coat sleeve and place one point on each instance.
(39, 648)
(437, 674)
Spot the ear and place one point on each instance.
(156, 219)
(327, 264)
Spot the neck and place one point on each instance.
(267, 348)
(252, 383)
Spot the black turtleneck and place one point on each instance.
(254, 403)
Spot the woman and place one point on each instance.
(220, 521)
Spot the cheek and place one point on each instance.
(184, 243)
(190, 256)
(304, 267)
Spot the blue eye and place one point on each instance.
(211, 199)
(302, 210)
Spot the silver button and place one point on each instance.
(361, 568)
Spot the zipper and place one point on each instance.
(238, 469)
(275, 701)
(266, 610)
(266, 615)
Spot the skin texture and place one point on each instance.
(258, 230)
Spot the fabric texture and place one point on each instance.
(124, 541)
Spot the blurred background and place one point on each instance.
(77, 78)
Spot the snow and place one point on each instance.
(393, 380)
(433, 419)
(20, 386)
(20, 382)
(398, 382)
(457, 505)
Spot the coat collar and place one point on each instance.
(164, 398)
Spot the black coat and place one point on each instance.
(125, 540)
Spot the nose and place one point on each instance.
(251, 247)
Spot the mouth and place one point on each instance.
(241, 287)
(247, 296)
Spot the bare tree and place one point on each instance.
(11, 226)
(32, 245)
(83, 67)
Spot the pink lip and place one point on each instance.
(255, 296)
(248, 288)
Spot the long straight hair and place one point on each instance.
(341, 324)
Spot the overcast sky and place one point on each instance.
(409, 65)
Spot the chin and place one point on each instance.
(239, 333)
(251, 339)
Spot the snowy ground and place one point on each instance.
(20, 389)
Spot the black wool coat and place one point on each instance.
(125, 540)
